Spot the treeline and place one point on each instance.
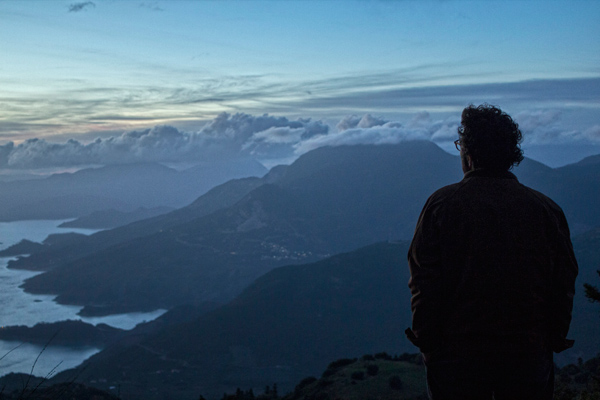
(270, 393)
(579, 381)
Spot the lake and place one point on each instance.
(20, 308)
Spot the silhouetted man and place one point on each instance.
(492, 274)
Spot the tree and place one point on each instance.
(592, 292)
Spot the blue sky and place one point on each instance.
(96, 69)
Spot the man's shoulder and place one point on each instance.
(447, 191)
(542, 198)
(443, 194)
(457, 192)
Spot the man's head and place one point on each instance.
(489, 138)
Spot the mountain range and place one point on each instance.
(330, 200)
(268, 251)
(123, 188)
(209, 251)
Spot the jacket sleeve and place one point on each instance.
(563, 287)
(425, 283)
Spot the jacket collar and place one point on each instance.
(489, 173)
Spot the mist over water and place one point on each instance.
(20, 308)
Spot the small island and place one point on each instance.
(68, 333)
(23, 247)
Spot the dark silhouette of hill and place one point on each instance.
(577, 188)
(120, 187)
(76, 333)
(287, 325)
(328, 201)
(23, 247)
(574, 187)
(62, 333)
(54, 241)
(590, 160)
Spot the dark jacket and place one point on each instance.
(492, 269)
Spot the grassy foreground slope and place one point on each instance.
(378, 377)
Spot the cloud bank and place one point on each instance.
(353, 130)
(268, 139)
(225, 137)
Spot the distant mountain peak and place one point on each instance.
(591, 160)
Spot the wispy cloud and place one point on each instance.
(574, 92)
(151, 6)
(77, 7)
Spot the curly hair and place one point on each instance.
(490, 137)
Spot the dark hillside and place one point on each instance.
(578, 192)
(589, 160)
(574, 187)
(364, 194)
(290, 324)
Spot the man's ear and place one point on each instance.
(470, 163)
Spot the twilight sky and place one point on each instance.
(107, 81)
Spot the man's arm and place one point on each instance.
(425, 264)
(563, 288)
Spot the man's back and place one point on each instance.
(497, 243)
